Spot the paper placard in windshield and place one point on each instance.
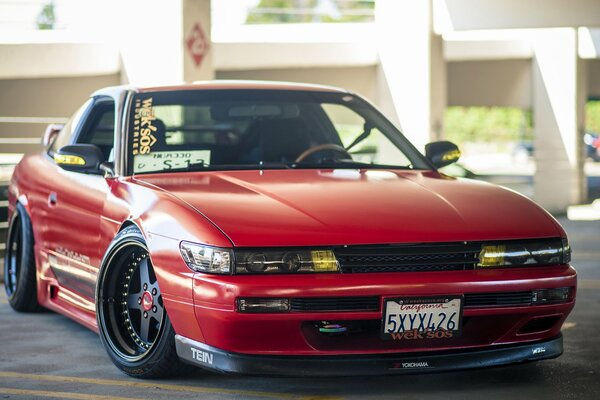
(166, 160)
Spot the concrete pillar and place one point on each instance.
(165, 42)
(412, 70)
(558, 119)
(582, 98)
(198, 52)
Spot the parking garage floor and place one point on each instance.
(48, 356)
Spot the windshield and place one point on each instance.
(261, 129)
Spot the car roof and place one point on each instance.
(225, 85)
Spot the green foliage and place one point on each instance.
(302, 11)
(46, 18)
(592, 116)
(502, 124)
(488, 124)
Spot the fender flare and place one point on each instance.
(159, 271)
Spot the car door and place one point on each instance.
(75, 203)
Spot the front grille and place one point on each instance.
(502, 299)
(323, 304)
(408, 258)
(372, 303)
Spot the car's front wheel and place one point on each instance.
(134, 326)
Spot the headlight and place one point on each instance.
(541, 252)
(285, 261)
(201, 258)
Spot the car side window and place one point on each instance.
(99, 128)
(65, 135)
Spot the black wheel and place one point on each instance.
(19, 264)
(134, 326)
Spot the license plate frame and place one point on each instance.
(408, 306)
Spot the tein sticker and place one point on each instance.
(143, 128)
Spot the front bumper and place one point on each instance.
(294, 333)
(216, 359)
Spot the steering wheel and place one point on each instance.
(322, 147)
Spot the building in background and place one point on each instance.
(507, 79)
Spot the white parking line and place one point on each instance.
(588, 284)
(569, 325)
(155, 385)
(60, 395)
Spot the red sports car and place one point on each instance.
(282, 229)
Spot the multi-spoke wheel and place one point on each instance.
(133, 324)
(134, 304)
(19, 264)
(143, 307)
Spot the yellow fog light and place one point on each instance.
(285, 261)
(492, 256)
(324, 261)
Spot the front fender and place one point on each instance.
(164, 221)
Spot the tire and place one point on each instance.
(134, 326)
(20, 276)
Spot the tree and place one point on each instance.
(46, 18)
(302, 11)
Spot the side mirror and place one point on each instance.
(50, 133)
(85, 158)
(442, 153)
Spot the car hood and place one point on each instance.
(339, 207)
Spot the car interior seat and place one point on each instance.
(276, 140)
(160, 134)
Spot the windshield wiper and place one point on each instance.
(327, 164)
(201, 166)
(225, 167)
(367, 128)
(272, 165)
(346, 164)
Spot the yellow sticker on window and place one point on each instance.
(143, 127)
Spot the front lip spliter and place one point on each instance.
(209, 357)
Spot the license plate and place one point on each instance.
(411, 318)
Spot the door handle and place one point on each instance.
(52, 199)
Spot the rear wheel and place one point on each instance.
(134, 326)
(19, 264)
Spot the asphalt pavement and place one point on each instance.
(46, 355)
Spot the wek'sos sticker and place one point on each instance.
(143, 128)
